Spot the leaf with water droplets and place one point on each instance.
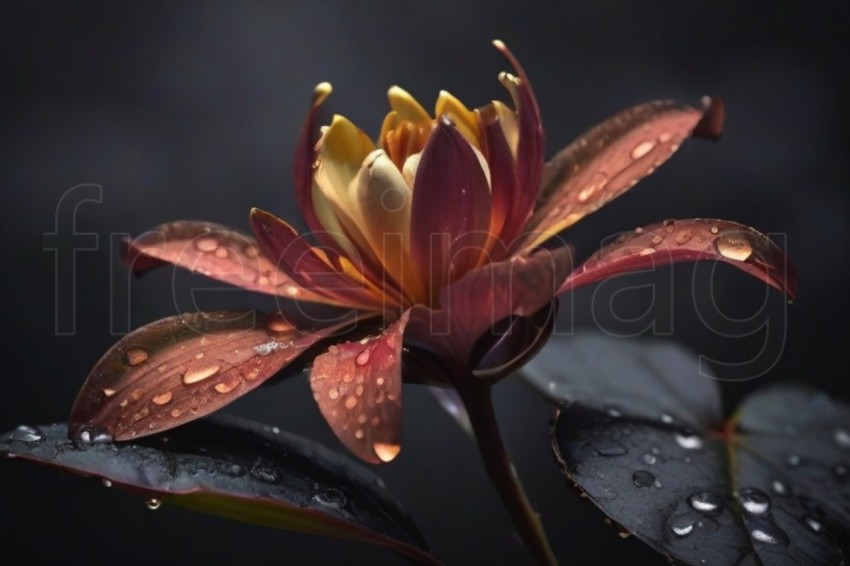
(770, 486)
(184, 367)
(215, 251)
(612, 157)
(240, 470)
(689, 240)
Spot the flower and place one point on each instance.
(439, 239)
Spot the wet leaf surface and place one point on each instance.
(767, 487)
(240, 470)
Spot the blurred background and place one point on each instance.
(117, 117)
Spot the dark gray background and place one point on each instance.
(192, 110)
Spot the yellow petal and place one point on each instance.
(406, 107)
(508, 121)
(463, 118)
(345, 142)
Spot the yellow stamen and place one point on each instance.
(463, 118)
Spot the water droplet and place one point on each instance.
(363, 358)
(26, 433)
(638, 230)
(359, 434)
(277, 323)
(770, 534)
(267, 348)
(642, 149)
(135, 356)
(386, 451)
(106, 482)
(333, 392)
(667, 419)
(199, 373)
(754, 501)
(227, 386)
(206, 244)
(614, 412)
(657, 240)
(665, 137)
(153, 504)
(683, 237)
(813, 524)
(840, 470)
(221, 253)
(642, 478)
(107, 392)
(793, 461)
(779, 487)
(332, 498)
(842, 438)
(162, 399)
(251, 252)
(266, 475)
(681, 526)
(707, 503)
(351, 402)
(650, 459)
(715, 230)
(609, 449)
(233, 470)
(733, 247)
(688, 440)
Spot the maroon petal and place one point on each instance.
(472, 306)
(357, 386)
(450, 214)
(531, 151)
(689, 240)
(611, 158)
(305, 156)
(503, 180)
(212, 250)
(183, 367)
(317, 269)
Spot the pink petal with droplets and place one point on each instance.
(357, 386)
(181, 368)
(689, 240)
(214, 251)
(611, 158)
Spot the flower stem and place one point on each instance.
(479, 404)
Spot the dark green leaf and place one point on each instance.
(770, 487)
(237, 469)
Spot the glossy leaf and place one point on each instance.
(769, 487)
(240, 470)
(650, 378)
(675, 241)
(184, 367)
(612, 157)
(212, 250)
(357, 386)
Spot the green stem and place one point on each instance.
(479, 404)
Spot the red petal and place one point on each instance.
(519, 286)
(305, 155)
(357, 386)
(311, 267)
(531, 150)
(690, 240)
(214, 251)
(611, 158)
(450, 214)
(183, 367)
(503, 180)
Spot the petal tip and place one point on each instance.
(321, 92)
(714, 115)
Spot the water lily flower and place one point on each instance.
(439, 239)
